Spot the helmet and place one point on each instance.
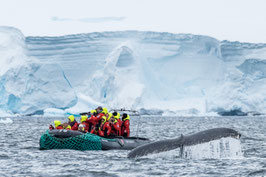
(105, 110)
(83, 118)
(71, 118)
(57, 123)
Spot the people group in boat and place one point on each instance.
(98, 121)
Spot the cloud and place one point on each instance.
(90, 20)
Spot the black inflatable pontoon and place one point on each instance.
(68, 139)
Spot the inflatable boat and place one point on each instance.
(68, 139)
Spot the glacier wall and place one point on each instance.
(180, 74)
(28, 86)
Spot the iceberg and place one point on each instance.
(28, 86)
(153, 72)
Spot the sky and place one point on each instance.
(234, 20)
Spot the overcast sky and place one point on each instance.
(234, 20)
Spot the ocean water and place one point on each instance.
(20, 154)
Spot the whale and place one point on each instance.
(183, 140)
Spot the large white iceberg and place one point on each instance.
(153, 72)
(27, 85)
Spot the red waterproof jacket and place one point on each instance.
(125, 128)
(59, 127)
(120, 122)
(86, 126)
(115, 129)
(74, 125)
(105, 129)
(95, 119)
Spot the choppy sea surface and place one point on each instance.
(20, 154)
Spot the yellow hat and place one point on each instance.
(71, 118)
(83, 118)
(57, 123)
(105, 110)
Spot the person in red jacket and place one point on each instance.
(84, 125)
(73, 123)
(115, 127)
(95, 120)
(125, 131)
(117, 117)
(57, 125)
(105, 128)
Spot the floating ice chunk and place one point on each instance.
(6, 121)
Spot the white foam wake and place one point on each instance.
(217, 149)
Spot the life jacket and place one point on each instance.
(105, 130)
(115, 128)
(109, 116)
(117, 117)
(105, 111)
(126, 118)
(68, 127)
(125, 128)
(59, 127)
(85, 123)
(74, 125)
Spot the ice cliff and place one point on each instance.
(164, 73)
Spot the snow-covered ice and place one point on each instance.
(171, 74)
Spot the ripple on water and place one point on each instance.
(20, 154)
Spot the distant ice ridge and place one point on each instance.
(155, 73)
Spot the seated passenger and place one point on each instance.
(90, 121)
(95, 121)
(105, 128)
(125, 131)
(73, 123)
(117, 117)
(57, 125)
(84, 125)
(115, 127)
